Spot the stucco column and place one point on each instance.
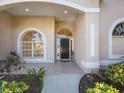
(91, 41)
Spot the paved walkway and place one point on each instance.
(63, 83)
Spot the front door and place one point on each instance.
(64, 46)
(63, 49)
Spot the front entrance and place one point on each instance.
(64, 49)
(64, 45)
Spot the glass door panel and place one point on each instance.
(65, 49)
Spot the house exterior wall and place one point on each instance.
(118, 46)
(79, 37)
(5, 35)
(87, 41)
(87, 3)
(63, 24)
(12, 26)
(92, 23)
(44, 24)
(111, 10)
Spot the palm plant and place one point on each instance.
(32, 73)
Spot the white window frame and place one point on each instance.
(32, 49)
(31, 59)
(114, 24)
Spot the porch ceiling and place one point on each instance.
(39, 9)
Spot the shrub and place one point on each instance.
(11, 64)
(13, 87)
(115, 73)
(39, 74)
(102, 88)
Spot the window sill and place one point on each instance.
(34, 60)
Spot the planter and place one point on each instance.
(34, 84)
(88, 80)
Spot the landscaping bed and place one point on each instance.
(34, 83)
(109, 80)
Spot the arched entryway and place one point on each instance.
(85, 22)
(64, 45)
(77, 6)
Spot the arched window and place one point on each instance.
(118, 30)
(32, 44)
(64, 32)
(116, 39)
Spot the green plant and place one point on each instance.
(102, 88)
(13, 59)
(1, 77)
(13, 87)
(39, 74)
(12, 64)
(115, 73)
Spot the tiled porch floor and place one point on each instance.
(54, 68)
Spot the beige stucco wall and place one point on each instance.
(63, 24)
(92, 19)
(11, 27)
(111, 10)
(5, 35)
(79, 37)
(44, 24)
(118, 46)
(87, 3)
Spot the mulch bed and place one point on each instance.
(34, 84)
(89, 80)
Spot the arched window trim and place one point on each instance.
(118, 31)
(114, 24)
(19, 44)
(58, 35)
